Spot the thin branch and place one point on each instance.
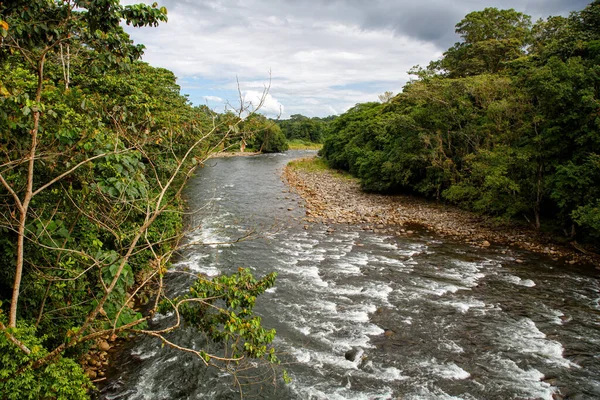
(14, 339)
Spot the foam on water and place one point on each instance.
(347, 268)
(527, 382)
(425, 393)
(144, 355)
(554, 316)
(383, 242)
(518, 281)
(524, 337)
(316, 392)
(301, 355)
(211, 231)
(444, 370)
(432, 287)
(198, 263)
(465, 305)
(390, 262)
(309, 274)
(331, 360)
(159, 317)
(376, 291)
(464, 273)
(388, 374)
(451, 346)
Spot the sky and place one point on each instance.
(315, 57)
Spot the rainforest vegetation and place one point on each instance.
(506, 123)
(95, 148)
(304, 130)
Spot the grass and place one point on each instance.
(317, 164)
(297, 144)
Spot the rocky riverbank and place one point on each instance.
(227, 154)
(97, 359)
(331, 198)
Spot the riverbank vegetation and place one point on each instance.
(96, 148)
(304, 133)
(506, 123)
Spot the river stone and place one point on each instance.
(485, 243)
(104, 346)
(353, 354)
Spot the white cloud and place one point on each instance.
(214, 99)
(324, 55)
(263, 102)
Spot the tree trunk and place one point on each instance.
(27, 199)
(539, 195)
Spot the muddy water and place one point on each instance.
(428, 318)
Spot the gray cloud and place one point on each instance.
(325, 55)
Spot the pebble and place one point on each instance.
(333, 200)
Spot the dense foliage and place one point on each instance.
(263, 135)
(305, 129)
(95, 150)
(506, 123)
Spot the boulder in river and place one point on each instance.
(354, 354)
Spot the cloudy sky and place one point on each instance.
(320, 56)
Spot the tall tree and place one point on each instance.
(491, 38)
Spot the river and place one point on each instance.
(433, 318)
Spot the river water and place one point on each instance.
(430, 318)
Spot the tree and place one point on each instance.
(505, 124)
(93, 166)
(491, 38)
(385, 97)
(264, 135)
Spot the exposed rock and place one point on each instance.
(91, 373)
(354, 354)
(331, 199)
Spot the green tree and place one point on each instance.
(96, 149)
(491, 38)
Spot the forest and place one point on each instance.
(506, 123)
(96, 147)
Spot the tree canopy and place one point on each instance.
(96, 147)
(506, 123)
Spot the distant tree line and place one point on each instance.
(506, 123)
(305, 129)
